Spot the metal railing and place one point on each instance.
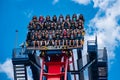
(92, 45)
(19, 53)
(91, 42)
(102, 55)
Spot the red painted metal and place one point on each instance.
(66, 66)
(55, 68)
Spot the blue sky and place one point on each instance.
(102, 17)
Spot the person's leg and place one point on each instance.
(33, 43)
(66, 42)
(77, 42)
(41, 43)
(38, 43)
(70, 43)
(45, 43)
(55, 43)
(73, 43)
(59, 43)
(63, 42)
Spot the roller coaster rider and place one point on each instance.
(74, 17)
(61, 19)
(54, 18)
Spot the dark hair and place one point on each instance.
(34, 17)
(81, 17)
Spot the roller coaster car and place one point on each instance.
(64, 47)
(35, 42)
(44, 47)
(56, 48)
(65, 52)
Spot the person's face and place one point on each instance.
(74, 19)
(41, 19)
(54, 18)
(48, 18)
(61, 19)
(80, 23)
(34, 19)
(68, 19)
(51, 24)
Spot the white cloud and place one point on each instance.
(107, 28)
(28, 13)
(103, 4)
(84, 2)
(55, 1)
(7, 68)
